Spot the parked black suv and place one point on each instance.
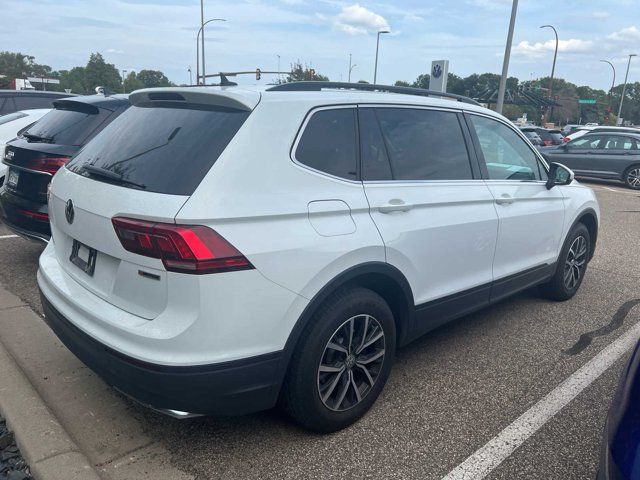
(15, 100)
(37, 154)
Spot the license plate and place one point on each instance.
(83, 257)
(12, 179)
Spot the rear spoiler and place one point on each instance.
(237, 99)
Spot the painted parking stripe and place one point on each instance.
(500, 447)
(8, 236)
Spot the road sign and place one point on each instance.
(588, 101)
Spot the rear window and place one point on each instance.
(161, 148)
(11, 117)
(70, 123)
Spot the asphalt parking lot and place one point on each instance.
(450, 392)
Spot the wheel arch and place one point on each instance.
(382, 278)
(589, 219)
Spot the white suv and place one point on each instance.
(217, 250)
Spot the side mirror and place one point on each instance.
(559, 175)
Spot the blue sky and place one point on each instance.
(160, 34)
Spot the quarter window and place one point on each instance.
(506, 154)
(617, 142)
(590, 142)
(417, 144)
(328, 143)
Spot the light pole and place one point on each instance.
(613, 83)
(507, 55)
(624, 89)
(124, 90)
(351, 67)
(278, 67)
(553, 68)
(201, 30)
(375, 69)
(190, 76)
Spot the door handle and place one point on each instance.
(505, 199)
(395, 205)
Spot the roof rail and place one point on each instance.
(313, 86)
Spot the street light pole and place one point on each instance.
(507, 55)
(349, 76)
(123, 79)
(375, 69)
(553, 68)
(613, 83)
(201, 30)
(624, 89)
(190, 76)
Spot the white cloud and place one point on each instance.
(626, 34)
(539, 49)
(491, 4)
(600, 14)
(358, 20)
(114, 50)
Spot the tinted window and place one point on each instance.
(328, 143)
(617, 142)
(70, 123)
(375, 163)
(164, 148)
(424, 144)
(26, 102)
(7, 105)
(506, 155)
(10, 117)
(586, 142)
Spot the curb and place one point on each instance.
(48, 449)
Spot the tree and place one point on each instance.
(74, 80)
(19, 65)
(152, 79)
(131, 82)
(402, 83)
(100, 73)
(306, 73)
(422, 81)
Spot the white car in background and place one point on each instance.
(599, 128)
(10, 126)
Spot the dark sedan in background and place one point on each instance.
(37, 154)
(547, 136)
(606, 155)
(620, 457)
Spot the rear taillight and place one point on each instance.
(47, 164)
(41, 217)
(565, 139)
(182, 248)
(548, 142)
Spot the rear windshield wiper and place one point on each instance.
(110, 175)
(37, 138)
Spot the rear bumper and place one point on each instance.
(230, 388)
(23, 225)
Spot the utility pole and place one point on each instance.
(123, 80)
(349, 77)
(624, 89)
(507, 55)
(278, 67)
(190, 76)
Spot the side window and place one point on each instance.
(616, 142)
(587, 142)
(424, 144)
(506, 155)
(328, 143)
(8, 107)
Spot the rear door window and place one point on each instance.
(26, 102)
(423, 144)
(161, 148)
(328, 143)
(70, 123)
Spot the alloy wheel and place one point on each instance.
(351, 362)
(575, 262)
(633, 178)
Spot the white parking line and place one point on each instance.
(8, 236)
(500, 447)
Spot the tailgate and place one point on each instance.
(134, 283)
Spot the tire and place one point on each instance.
(572, 265)
(631, 177)
(313, 397)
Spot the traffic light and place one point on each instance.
(258, 74)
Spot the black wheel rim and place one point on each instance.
(633, 178)
(575, 262)
(351, 363)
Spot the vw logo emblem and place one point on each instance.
(437, 71)
(69, 212)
